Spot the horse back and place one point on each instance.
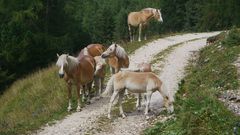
(86, 69)
(95, 49)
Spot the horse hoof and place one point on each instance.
(123, 116)
(78, 109)
(138, 109)
(98, 98)
(69, 109)
(109, 117)
(147, 117)
(88, 102)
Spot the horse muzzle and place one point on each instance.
(104, 56)
(61, 75)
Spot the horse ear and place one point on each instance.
(57, 55)
(67, 55)
(115, 45)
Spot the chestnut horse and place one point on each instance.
(76, 71)
(141, 18)
(92, 50)
(117, 57)
(136, 82)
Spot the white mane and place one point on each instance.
(120, 52)
(68, 61)
(85, 51)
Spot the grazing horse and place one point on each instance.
(117, 57)
(99, 74)
(141, 18)
(76, 71)
(141, 67)
(136, 82)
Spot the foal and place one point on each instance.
(136, 82)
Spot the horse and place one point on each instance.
(116, 57)
(136, 82)
(91, 50)
(141, 67)
(77, 71)
(141, 18)
(99, 74)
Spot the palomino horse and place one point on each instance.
(140, 19)
(117, 57)
(77, 71)
(141, 67)
(137, 82)
(99, 74)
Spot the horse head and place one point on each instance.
(100, 64)
(110, 52)
(62, 62)
(157, 15)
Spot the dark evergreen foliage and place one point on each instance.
(33, 31)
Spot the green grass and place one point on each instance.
(197, 108)
(40, 98)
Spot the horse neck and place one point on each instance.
(72, 64)
(121, 54)
(147, 15)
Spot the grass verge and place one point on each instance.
(197, 108)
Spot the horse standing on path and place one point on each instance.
(117, 58)
(78, 71)
(141, 67)
(92, 50)
(141, 18)
(136, 82)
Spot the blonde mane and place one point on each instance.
(120, 52)
(70, 61)
(85, 51)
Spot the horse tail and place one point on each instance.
(109, 88)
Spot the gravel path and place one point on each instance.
(173, 71)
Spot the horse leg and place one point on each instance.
(120, 98)
(138, 104)
(96, 83)
(149, 94)
(83, 93)
(140, 31)
(101, 81)
(69, 96)
(145, 32)
(112, 70)
(130, 33)
(114, 95)
(79, 98)
(89, 85)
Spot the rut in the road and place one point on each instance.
(81, 122)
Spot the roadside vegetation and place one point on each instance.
(197, 108)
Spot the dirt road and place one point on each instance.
(172, 73)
